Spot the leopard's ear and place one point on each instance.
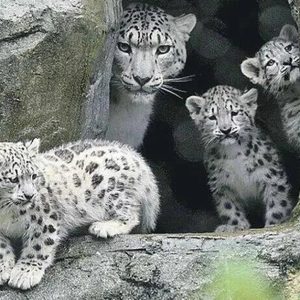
(289, 33)
(194, 104)
(250, 97)
(250, 68)
(33, 146)
(185, 24)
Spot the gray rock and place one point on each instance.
(227, 68)
(208, 43)
(50, 54)
(188, 143)
(270, 26)
(208, 8)
(159, 266)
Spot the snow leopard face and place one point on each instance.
(150, 48)
(223, 113)
(276, 65)
(18, 174)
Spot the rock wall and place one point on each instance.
(52, 54)
(163, 267)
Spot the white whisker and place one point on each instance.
(174, 88)
(171, 92)
(180, 79)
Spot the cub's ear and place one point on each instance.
(194, 105)
(250, 97)
(289, 33)
(250, 68)
(185, 24)
(33, 146)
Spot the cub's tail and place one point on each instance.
(150, 206)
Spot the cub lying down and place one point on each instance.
(43, 196)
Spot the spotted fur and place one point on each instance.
(150, 49)
(243, 165)
(43, 196)
(275, 67)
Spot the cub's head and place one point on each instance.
(223, 113)
(276, 65)
(150, 48)
(18, 174)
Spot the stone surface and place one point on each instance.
(50, 54)
(177, 267)
(270, 26)
(208, 43)
(188, 142)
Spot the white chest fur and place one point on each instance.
(11, 225)
(240, 180)
(128, 120)
(236, 176)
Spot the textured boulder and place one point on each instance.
(163, 267)
(52, 55)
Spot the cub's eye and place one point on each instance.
(288, 48)
(163, 49)
(213, 118)
(234, 113)
(124, 47)
(270, 63)
(14, 180)
(33, 176)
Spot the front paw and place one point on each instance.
(26, 274)
(6, 266)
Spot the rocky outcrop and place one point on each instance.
(161, 267)
(55, 60)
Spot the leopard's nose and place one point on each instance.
(141, 81)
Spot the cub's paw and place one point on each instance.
(107, 229)
(6, 266)
(26, 274)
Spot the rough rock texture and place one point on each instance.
(51, 51)
(159, 266)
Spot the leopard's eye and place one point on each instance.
(234, 113)
(14, 180)
(163, 49)
(124, 47)
(288, 48)
(33, 176)
(213, 118)
(270, 63)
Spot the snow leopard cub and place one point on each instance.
(43, 196)
(241, 161)
(275, 67)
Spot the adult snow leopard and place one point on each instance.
(150, 51)
(45, 195)
(243, 165)
(275, 67)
